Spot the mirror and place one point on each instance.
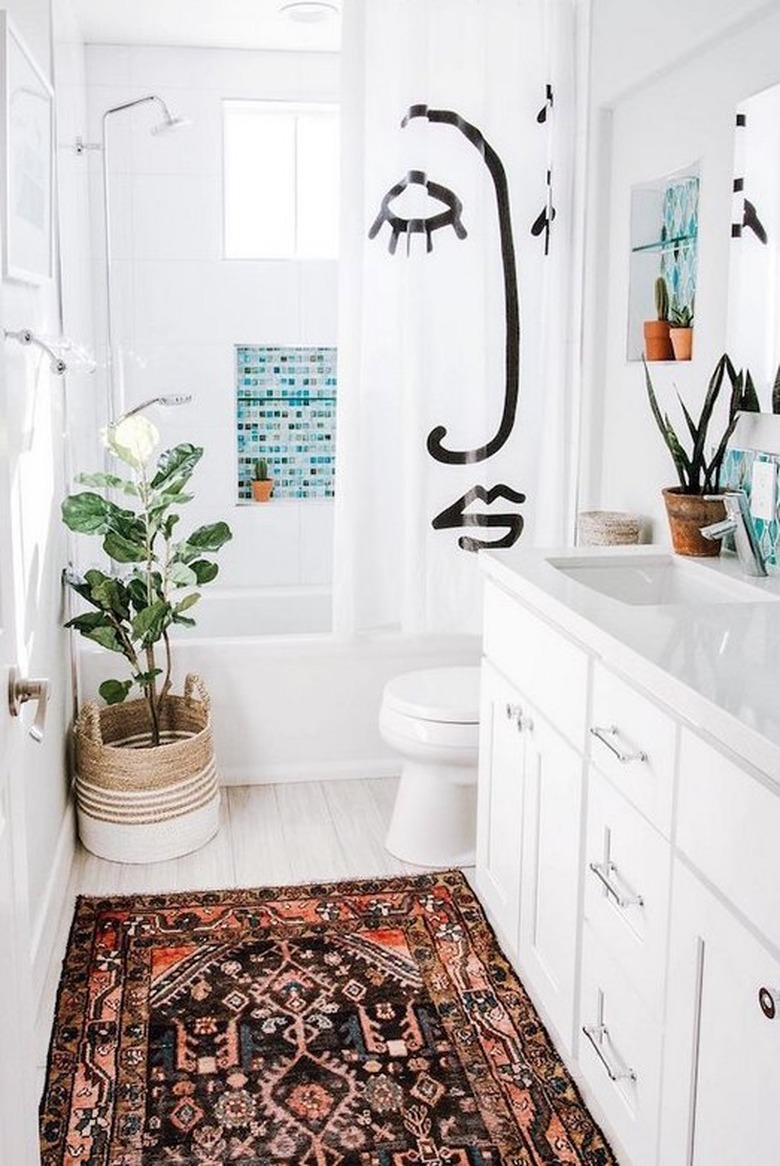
(753, 334)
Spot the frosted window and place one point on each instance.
(281, 180)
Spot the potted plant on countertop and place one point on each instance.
(658, 346)
(681, 330)
(262, 485)
(146, 781)
(694, 502)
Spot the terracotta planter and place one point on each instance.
(658, 346)
(687, 514)
(682, 342)
(261, 490)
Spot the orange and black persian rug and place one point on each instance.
(370, 1023)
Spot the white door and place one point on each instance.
(18, 1124)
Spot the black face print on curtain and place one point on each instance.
(457, 514)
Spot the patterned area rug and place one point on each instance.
(371, 1023)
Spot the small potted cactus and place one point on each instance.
(658, 345)
(681, 330)
(262, 485)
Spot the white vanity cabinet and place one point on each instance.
(630, 860)
(531, 785)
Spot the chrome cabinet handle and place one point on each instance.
(769, 1002)
(597, 1034)
(20, 690)
(603, 734)
(514, 712)
(602, 871)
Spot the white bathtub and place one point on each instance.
(290, 705)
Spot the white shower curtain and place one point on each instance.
(449, 135)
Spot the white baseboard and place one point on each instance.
(310, 771)
(45, 928)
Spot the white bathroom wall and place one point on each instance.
(656, 110)
(180, 307)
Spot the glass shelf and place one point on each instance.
(662, 245)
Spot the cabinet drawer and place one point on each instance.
(547, 667)
(632, 742)
(627, 873)
(729, 826)
(620, 1056)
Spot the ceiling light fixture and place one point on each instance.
(308, 11)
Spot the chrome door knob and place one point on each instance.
(20, 690)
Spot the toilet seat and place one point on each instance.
(447, 696)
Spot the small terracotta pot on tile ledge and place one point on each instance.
(687, 514)
(261, 489)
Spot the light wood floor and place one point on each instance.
(269, 836)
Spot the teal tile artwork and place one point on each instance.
(737, 475)
(286, 413)
(679, 231)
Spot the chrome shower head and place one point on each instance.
(170, 123)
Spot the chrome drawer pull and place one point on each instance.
(602, 871)
(604, 734)
(597, 1034)
(769, 1002)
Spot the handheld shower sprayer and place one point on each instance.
(167, 400)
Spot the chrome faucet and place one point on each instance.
(739, 523)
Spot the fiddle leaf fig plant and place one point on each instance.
(134, 611)
(699, 470)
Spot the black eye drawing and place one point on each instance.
(450, 217)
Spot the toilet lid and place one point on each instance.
(450, 695)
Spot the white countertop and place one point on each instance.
(716, 664)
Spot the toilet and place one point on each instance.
(431, 718)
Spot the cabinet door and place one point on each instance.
(722, 1072)
(551, 866)
(500, 802)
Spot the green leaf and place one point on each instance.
(184, 620)
(776, 392)
(175, 466)
(123, 550)
(210, 538)
(679, 457)
(186, 603)
(168, 525)
(88, 513)
(146, 678)
(96, 626)
(180, 575)
(205, 571)
(115, 691)
(109, 482)
(150, 623)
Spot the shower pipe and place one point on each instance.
(25, 336)
(169, 122)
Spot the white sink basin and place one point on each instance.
(663, 579)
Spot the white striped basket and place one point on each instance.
(141, 803)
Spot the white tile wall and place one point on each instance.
(179, 308)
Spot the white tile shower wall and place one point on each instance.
(180, 308)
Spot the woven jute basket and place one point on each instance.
(142, 803)
(607, 528)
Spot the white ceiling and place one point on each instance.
(248, 24)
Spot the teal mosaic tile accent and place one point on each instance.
(737, 475)
(680, 222)
(286, 413)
